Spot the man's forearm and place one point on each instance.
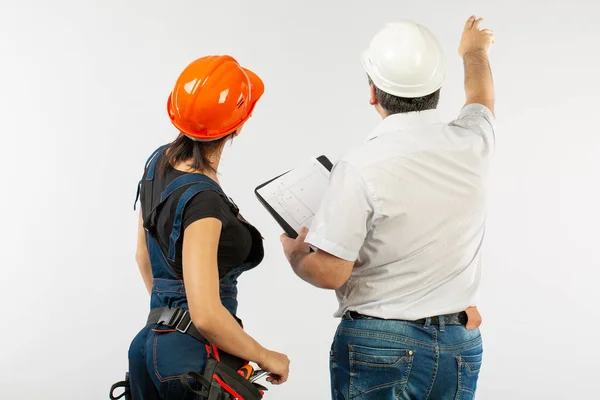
(321, 269)
(303, 266)
(310, 269)
(479, 84)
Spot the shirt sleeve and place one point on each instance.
(478, 119)
(342, 222)
(206, 204)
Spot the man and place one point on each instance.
(400, 229)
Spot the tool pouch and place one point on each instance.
(126, 389)
(221, 382)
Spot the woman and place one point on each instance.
(192, 242)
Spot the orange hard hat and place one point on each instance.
(213, 97)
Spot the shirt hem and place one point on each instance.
(330, 247)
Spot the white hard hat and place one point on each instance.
(405, 60)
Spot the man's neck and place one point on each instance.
(384, 114)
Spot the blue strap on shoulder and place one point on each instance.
(151, 163)
(153, 158)
(188, 179)
(183, 200)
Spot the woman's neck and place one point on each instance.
(186, 166)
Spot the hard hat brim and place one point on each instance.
(257, 86)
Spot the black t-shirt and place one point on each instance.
(236, 242)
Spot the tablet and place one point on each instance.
(294, 197)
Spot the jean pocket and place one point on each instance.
(377, 373)
(176, 353)
(468, 373)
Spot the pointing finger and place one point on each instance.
(477, 24)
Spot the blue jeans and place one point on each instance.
(391, 360)
(157, 357)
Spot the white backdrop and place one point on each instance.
(83, 90)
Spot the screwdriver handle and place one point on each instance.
(246, 371)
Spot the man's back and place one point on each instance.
(399, 232)
(426, 181)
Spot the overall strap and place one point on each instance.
(178, 183)
(183, 200)
(185, 180)
(151, 162)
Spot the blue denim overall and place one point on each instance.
(158, 355)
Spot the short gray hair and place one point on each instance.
(396, 105)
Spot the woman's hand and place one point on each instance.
(278, 366)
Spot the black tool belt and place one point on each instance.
(221, 382)
(459, 318)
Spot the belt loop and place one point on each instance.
(427, 323)
(348, 316)
(442, 323)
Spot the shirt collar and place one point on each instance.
(398, 122)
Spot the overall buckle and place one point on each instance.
(173, 317)
(185, 314)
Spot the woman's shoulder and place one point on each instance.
(208, 203)
(210, 197)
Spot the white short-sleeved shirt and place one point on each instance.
(409, 207)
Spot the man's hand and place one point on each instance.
(473, 318)
(295, 248)
(474, 39)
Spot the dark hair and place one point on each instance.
(396, 105)
(183, 149)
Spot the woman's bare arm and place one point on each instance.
(201, 278)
